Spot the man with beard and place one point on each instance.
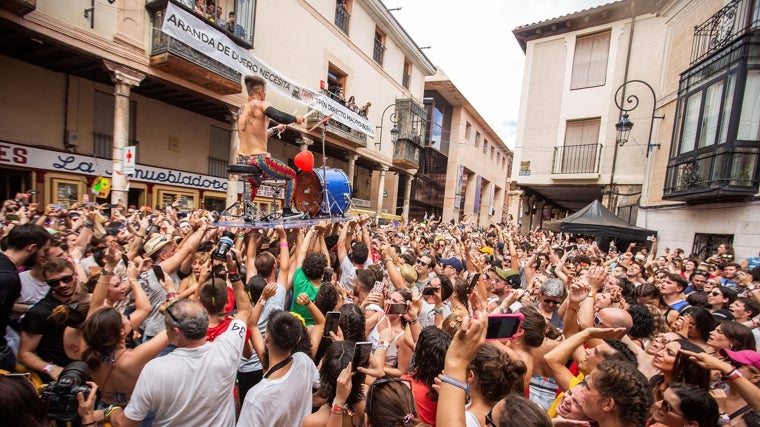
(41, 347)
(22, 242)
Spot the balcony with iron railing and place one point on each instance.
(379, 51)
(339, 129)
(406, 154)
(102, 145)
(731, 22)
(577, 159)
(172, 56)
(342, 17)
(406, 79)
(727, 173)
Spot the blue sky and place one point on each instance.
(473, 43)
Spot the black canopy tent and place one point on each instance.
(599, 221)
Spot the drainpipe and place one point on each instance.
(613, 205)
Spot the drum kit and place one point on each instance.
(322, 194)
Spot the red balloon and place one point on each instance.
(304, 161)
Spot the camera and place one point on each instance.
(225, 244)
(61, 395)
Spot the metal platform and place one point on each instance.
(294, 223)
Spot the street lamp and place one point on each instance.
(395, 132)
(624, 126)
(623, 129)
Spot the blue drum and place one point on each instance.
(310, 189)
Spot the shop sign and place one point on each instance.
(38, 158)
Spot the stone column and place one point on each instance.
(352, 167)
(232, 180)
(407, 197)
(381, 189)
(124, 79)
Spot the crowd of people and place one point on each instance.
(182, 322)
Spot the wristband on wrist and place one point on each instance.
(49, 367)
(733, 375)
(456, 383)
(235, 278)
(109, 411)
(412, 322)
(283, 244)
(262, 301)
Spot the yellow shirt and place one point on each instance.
(552, 412)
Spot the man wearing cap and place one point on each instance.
(452, 267)
(501, 282)
(167, 258)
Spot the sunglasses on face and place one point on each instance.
(380, 383)
(552, 301)
(715, 294)
(169, 311)
(597, 320)
(65, 279)
(422, 263)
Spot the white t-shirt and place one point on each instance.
(276, 302)
(427, 314)
(191, 386)
(348, 273)
(32, 290)
(285, 401)
(471, 420)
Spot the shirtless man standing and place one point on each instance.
(253, 124)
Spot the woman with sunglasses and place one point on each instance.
(684, 405)
(718, 300)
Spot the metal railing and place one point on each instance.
(162, 43)
(379, 52)
(406, 151)
(336, 128)
(342, 17)
(735, 169)
(570, 159)
(729, 23)
(406, 79)
(102, 145)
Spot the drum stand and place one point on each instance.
(249, 210)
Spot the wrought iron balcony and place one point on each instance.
(379, 52)
(728, 173)
(734, 20)
(576, 159)
(406, 154)
(339, 129)
(174, 57)
(342, 17)
(19, 7)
